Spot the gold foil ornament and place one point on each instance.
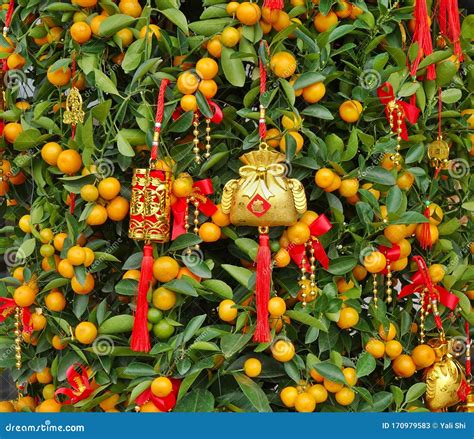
(438, 153)
(74, 113)
(263, 196)
(443, 379)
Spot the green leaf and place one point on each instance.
(194, 324)
(382, 400)
(248, 246)
(433, 58)
(240, 274)
(365, 365)
(307, 319)
(394, 199)
(253, 392)
(377, 174)
(415, 392)
(445, 72)
(181, 286)
(139, 389)
(124, 146)
(177, 17)
(306, 79)
(233, 67)
(26, 249)
(137, 369)
(184, 241)
(342, 265)
(410, 218)
(28, 139)
(451, 95)
(211, 27)
(318, 111)
(117, 325)
(218, 287)
(233, 343)
(111, 25)
(199, 400)
(330, 371)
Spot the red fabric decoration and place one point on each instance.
(425, 236)
(140, 341)
(409, 111)
(422, 279)
(274, 4)
(422, 36)
(206, 206)
(449, 24)
(164, 404)
(262, 289)
(80, 385)
(318, 227)
(7, 308)
(391, 254)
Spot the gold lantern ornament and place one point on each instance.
(438, 153)
(150, 212)
(263, 197)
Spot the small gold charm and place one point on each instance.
(74, 113)
(438, 153)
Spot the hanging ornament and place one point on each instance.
(450, 26)
(150, 222)
(263, 197)
(438, 151)
(198, 199)
(396, 112)
(22, 323)
(306, 255)
(469, 402)
(163, 404)
(80, 385)
(422, 37)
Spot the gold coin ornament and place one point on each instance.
(438, 153)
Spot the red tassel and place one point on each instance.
(422, 36)
(425, 238)
(262, 290)
(140, 341)
(274, 4)
(449, 24)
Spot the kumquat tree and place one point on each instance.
(237, 206)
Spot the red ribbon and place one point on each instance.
(318, 227)
(217, 114)
(206, 206)
(80, 385)
(410, 112)
(164, 404)
(391, 254)
(7, 308)
(422, 279)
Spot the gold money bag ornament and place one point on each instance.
(263, 197)
(150, 208)
(438, 150)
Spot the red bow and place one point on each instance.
(206, 206)
(409, 111)
(7, 308)
(318, 227)
(217, 114)
(164, 404)
(422, 279)
(81, 388)
(391, 254)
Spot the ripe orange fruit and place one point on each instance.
(231, 7)
(288, 396)
(187, 83)
(309, 217)
(85, 3)
(283, 64)
(25, 402)
(6, 407)
(343, 286)
(59, 77)
(189, 103)
(227, 311)
(58, 344)
(316, 376)
(406, 180)
(332, 386)
(350, 375)
(248, 13)
(55, 301)
(355, 11)
(359, 272)
(375, 262)
(305, 403)
(118, 209)
(219, 218)
(403, 366)
(393, 348)
(314, 92)
(298, 139)
(125, 36)
(291, 123)
(85, 332)
(89, 192)
(270, 15)
(209, 232)
(50, 153)
(323, 22)
(436, 214)
(149, 31)
(81, 32)
(276, 306)
(85, 288)
(11, 131)
(343, 9)
(95, 24)
(345, 396)
(252, 367)
(283, 21)
(214, 47)
(130, 7)
(69, 161)
(18, 274)
(423, 356)
(38, 321)
(375, 347)
(298, 233)
(395, 233)
(208, 88)
(165, 269)
(184, 271)
(44, 376)
(149, 407)
(15, 61)
(319, 393)
(76, 255)
(109, 188)
(405, 247)
(437, 272)
(283, 350)
(350, 111)
(388, 163)
(110, 403)
(97, 216)
(183, 186)
(24, 296)
(324, 178)
(90, 256)
(390, 335)
(230, 37)
(207, 68)
(164, 299)
(282, 258)
(49, 406)
(349, 187)
(348, 318)
(161, 387)
(434, 233)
